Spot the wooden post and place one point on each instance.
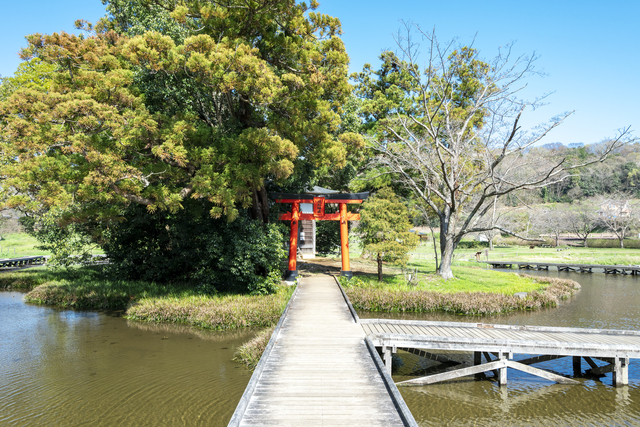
(477, 360)
(621, 371)
(344, 241)
(577, 368)
(388, 359)
(292, 272)
(502, 372)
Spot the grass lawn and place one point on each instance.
(18, 245)
(578, 255)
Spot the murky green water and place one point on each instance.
(69, 368)
(605, 301)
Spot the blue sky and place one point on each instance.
(588, 49)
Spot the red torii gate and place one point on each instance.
(319, 201)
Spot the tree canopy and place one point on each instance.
(226, 102)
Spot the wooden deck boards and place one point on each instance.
(382, 327)
(319, 371)
(615, 347)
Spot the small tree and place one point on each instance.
(583, 220)
(552, 221)
(618, 215)
(384, 229)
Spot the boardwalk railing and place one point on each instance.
(257, 373)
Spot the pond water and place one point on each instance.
(71, 368)
(604, 302)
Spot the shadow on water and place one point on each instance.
(604, 302)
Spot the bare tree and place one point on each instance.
(618, 215)
(551, 220)
(454, 137)
(583, 220)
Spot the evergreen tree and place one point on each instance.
(384, 229)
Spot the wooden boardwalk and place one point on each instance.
(318, 370)
(582, 268)
(13, 263)
(499, 343)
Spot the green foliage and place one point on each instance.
(327, 237)
(472, 244)
(32, 74)
(68, 245)
(188, 246)
(212, 103)
(613, 243)
(384, 229)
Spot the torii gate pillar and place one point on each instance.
(319, 201)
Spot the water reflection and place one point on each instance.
(604, 302)
(60, 367)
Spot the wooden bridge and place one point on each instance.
(499, 343)
(322, 364)
(582, 268)
(318, 369)
(13, 263)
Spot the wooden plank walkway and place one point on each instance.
(615, 347)
(12, 263)
(318, 370)
(582, 268)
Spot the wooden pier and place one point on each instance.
(318, 369)
(13, 263)
(582, 268)
(499, 343)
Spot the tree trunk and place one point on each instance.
(491, 244)
(445, 262)
(446, 245)
(585, 242)
(621, 242)
(379, 267)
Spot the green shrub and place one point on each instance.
(191, 247)
(472, 244)
(613, 243)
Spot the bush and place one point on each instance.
(189, 246)
(472, 244)
(613, 243)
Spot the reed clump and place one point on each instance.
(376, 298)
(214, 312)
(249, 353)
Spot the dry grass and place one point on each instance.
(214, 312)
(250, 352)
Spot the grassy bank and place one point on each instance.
(249, 353)
(473, 292)
(86, 288)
